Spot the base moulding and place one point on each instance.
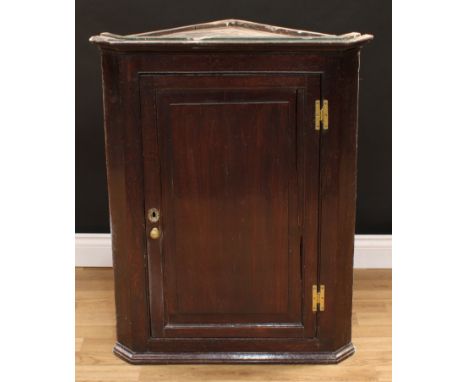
(233, 357)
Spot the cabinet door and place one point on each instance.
(231, 165)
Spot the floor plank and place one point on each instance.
(95, 337)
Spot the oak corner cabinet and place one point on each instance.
(231, 166)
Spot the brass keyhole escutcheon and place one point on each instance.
(155, 233)
(153, 215)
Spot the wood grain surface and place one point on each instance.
(256, 205)
(95, 338)
(225, 171)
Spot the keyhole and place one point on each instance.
(153, 215)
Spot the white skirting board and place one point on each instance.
(370, 251)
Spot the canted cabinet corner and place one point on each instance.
(231, 164)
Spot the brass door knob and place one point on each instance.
(155, 233)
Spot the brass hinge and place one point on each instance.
(321, 114)
(318, 298)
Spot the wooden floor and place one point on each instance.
(95, 337)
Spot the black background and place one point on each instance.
(328, 16)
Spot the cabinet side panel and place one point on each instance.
(124, 177)
(114, 146)
(338, 199)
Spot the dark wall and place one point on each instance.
(329, 16)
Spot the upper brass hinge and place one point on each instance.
(318, 298)
(321, 114)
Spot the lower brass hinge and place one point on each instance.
(318, 298)
(321, 115)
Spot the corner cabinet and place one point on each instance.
(231, 165)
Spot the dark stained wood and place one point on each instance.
(325, 357)
(255, 205)
(232, 207)
(338, 196)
